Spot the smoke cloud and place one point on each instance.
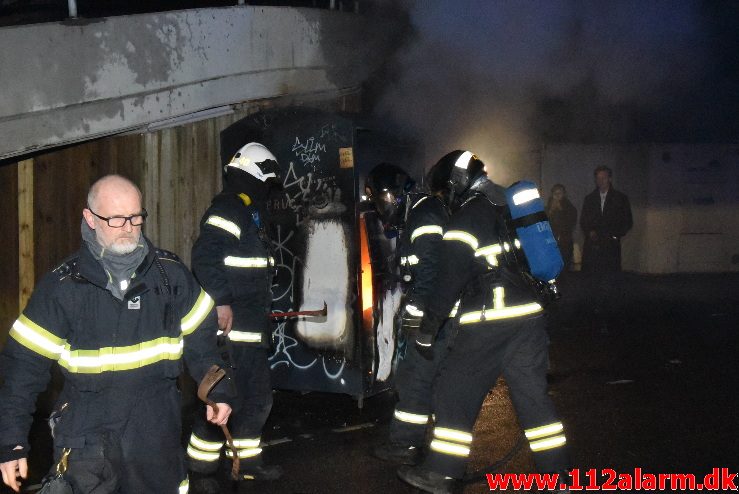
(503, 77)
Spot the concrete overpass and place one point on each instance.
(81, 79)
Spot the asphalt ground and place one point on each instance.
(658, 392)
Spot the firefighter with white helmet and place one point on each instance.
(232, 261)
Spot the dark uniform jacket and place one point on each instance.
(472, 263)
(231, 259)
(419, 246)
(110, 351)
(604, 253)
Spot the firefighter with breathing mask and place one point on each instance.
(501, 331)
(419, 219)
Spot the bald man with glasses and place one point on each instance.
(118, 317)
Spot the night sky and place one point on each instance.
(512, 75)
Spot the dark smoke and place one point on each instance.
(502, 77)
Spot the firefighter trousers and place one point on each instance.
(481, 353)
(250, 410)
(136, 451)
(414, 381)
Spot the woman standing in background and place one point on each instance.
(562, 217)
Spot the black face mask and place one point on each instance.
(390, 209)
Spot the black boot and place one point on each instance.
(203, 483)
(426, 480)
(397, 453)
(260, 472)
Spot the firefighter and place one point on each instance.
(118, 317)
(501, 331)
(231, 260)
(420, 231)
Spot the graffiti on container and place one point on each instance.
(302, 192)
(286, 346)
(308, 151)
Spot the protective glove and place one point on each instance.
(425, 345)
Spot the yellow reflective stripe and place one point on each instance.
(452, 435)
(246, 262)
(184, 486)
(245, 336)
(246, 443)
(465, 237)
(411, 418)
(426, 230)
(548, 443)
(202, 455)
(516, 243)
(544, 430)
(493, 249)
(197, 314)
(449, 448)
(498, 298)
(121, 358)
(420, 201)
(35, 338)
(245, 453)
(454, 310)
(413, 310)
(205, 445)
(504, 313)
(525, 196)
(224, 224)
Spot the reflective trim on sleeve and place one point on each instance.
(246, 262)
(411, 418)
(224, 224)
(196, 454)
(548, 443)
(121, 358)
(413, 310)
(197, 313)
(525, 196)
(184, 486)
(490, 252)
(462, 236)
(426, 230)
(453, 312)
(448, 448)
(410, 260)
(35, 338)
(245, 336)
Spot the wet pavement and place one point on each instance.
(658, 392)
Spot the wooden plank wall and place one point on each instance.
(177, 169)
(8, 248)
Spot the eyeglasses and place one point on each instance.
(120, 221)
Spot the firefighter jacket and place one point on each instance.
(108, 350)
(419, 244)
(475, 262)
(231, 260)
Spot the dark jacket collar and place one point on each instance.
(90, 268)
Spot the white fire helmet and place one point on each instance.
(256, 160)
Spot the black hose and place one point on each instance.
(479, 475)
